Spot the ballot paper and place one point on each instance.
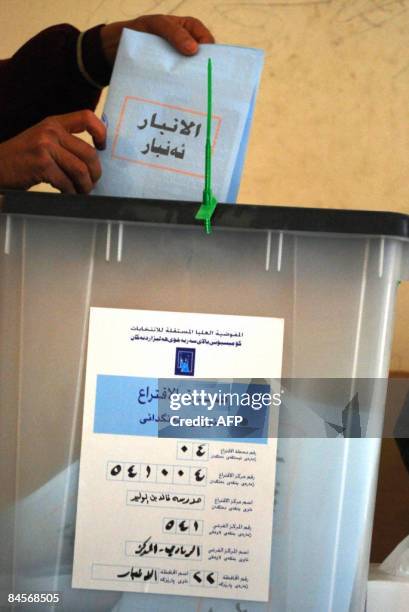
(168, 514)
(156, 112)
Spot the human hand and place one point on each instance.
(49, 153)
(183, 33)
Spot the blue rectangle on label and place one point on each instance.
(138, 406)
(126, 405)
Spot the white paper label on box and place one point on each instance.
(159, 512)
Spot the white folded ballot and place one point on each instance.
(156, 113)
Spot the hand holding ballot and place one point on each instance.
(183, 33)
(48, 152)
(49, 88)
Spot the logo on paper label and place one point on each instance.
(185, 361)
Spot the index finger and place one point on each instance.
(84, 121)
(198, 30)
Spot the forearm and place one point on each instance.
(44, 78)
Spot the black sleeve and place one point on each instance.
(402, 432)
(42, 78)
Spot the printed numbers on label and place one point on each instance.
(183, 526)
(160, 474)
(192, 451)
(203, 578)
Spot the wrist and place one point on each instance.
(110, 35)
(92, 59)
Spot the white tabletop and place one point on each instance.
(387, 593)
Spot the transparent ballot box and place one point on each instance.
(330, 275)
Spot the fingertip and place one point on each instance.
(189, 47)
(100, 142)
(205, 38)
(101, 146)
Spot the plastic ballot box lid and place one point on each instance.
(331, 275)
(243, 216)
